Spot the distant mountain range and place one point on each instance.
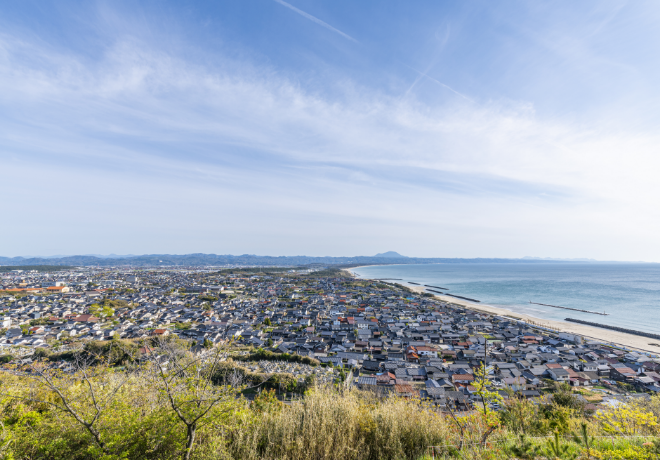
(100, 256)
(559, 260)
(248, 259)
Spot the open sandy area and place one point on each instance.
(590, 333)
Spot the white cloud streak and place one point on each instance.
(143, 132)
(316, 20)
(425, 74)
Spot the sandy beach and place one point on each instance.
(616, 338)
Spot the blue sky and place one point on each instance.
(439, 129)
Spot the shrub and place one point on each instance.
(627, 420)
(265, 355)
(42, 353)
(114, 352)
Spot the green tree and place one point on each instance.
(584, 439)
(555, 450)
(101, 311)
(482, 385)
(208, 298)
(266, 401)
(526, 450)
(563, 396)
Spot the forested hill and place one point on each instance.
(246, 259)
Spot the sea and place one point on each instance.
(628, 292)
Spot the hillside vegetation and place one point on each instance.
(171, 404)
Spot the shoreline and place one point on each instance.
(606, 336)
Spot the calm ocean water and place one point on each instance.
(630, 293)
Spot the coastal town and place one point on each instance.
(373, 335)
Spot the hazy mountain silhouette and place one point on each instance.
(391, 255)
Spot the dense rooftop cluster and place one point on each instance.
(394, 341)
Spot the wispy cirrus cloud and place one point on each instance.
(143, 132)
(316, 20)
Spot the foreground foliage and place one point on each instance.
(173, 405)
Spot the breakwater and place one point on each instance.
(460, 297)
(452, 295)
(410, 282)
(437, 287)
(569, 308)
(615, 328)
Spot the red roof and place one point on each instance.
(403, 388)
(463, 377)
(86, 318)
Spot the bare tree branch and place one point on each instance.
(101, 389)
(187, 383)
